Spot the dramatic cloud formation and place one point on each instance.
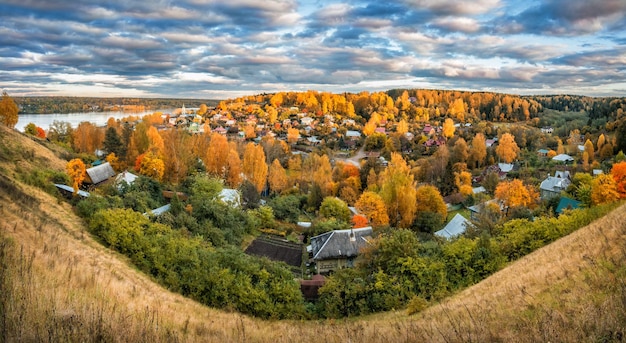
(218, 49)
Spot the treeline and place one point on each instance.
(414, 104)
(611, 108)
(399, 269)
(45, 105)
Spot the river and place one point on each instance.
(98, 118)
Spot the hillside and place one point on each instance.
(58, 284)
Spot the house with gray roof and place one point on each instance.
(563, 158)
(98, 174)
(454, 228)
(338, 249)
(553, 185)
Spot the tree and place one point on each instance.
(87, 138)
(77, 172)
(478, 151)
(8, 111)
(431, 210)
(254, 166)
(463, 181)
(514, 193)
(217, 155)
(234, 179)
(589, 150)
(293, 135)
(604, 189)
(336, 208)
(619, 175)
(507, 149)
(403, 127)
(155, 142)
(152, 166)
(372, 206)
(460, 151)
(359, 221)
(277, 177)
(398, 192)
(113, 143)
(448, 128)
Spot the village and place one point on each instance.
(317, 189)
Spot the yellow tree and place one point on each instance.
(8, 111)
(234, 179)
(589, 150)
(507, 149)
(277, 177)
(177, 156)
(77, 172)
(216, 156)
(87, 138)
(152, 166)
(430, 200)
(403, 127)
(155, 142)
(114, 161)
(254, 165)
(448, 128)
(514, 193)
(372, 206)
(293, 135)
(601, 141)
(463, 181)
(604, 189)
(478, 151)
(398, 192)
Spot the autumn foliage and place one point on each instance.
(507, 149)
(619, 175)
(514, 193)
(77, 172)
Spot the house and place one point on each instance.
(276, 248)
(563, 158)
(68, 191)
(597, 172)
(490, 142)
(313, 140)
(543, 152)
(566, 204)
(220, 130)
(477, 209)
(478, 190)
(125, 178)
(351, 134)
(547, 129)
(428, 130)
(553, 185)
(505, 167)
(306, 121)
(454, 228)
(338, 249)
(100, 173)
(381, 130)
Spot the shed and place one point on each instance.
(69, 191)
(98, 174)
(455, 227)
(566, 204)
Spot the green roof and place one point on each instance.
(567, 203)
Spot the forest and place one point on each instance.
(56, 104)
(406, 160)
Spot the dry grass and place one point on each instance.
(61, 285)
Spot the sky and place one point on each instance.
(211, 49)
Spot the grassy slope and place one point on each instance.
(60, 285)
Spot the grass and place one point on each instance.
(57, 284)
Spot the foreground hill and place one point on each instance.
(58, 284)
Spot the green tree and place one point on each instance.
(113, 143)
(333, 207)
(8, 111)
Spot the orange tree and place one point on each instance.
(77, 172)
